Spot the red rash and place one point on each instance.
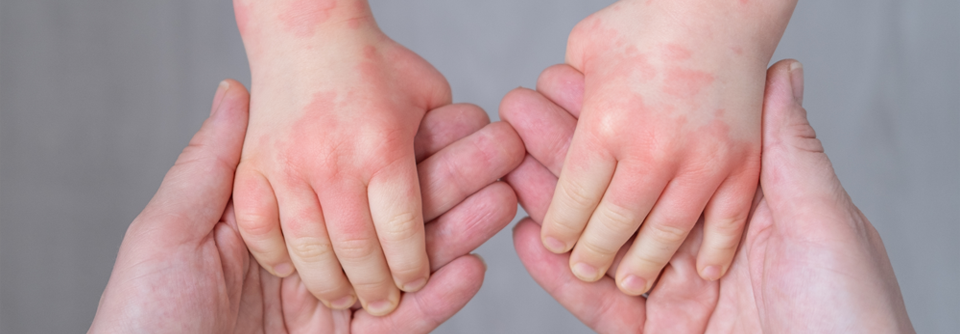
(301, 17)
(675, 52)
(306, 130)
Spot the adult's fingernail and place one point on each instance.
(796, 81)
(633, 285)
(218, 97)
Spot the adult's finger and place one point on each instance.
(195, 191)
(545, 127)
(448, 291)
(468, 165)
(442, 126)
(599, 305)
(469, 224)
(534, 185)
(563, 85)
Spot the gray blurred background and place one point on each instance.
(97, 98)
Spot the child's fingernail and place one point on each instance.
(343, 303)
(796, 81)
(415, 285)
(283, 269)
(711, 273)
(585, 272)
(218, 97)
(554, 245)
(379, 308)
(634, 285)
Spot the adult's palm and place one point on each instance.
(809, 262)
(184, 268)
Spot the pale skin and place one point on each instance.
(669, 131)
(809, 260)
(327, 184)
(183, 267)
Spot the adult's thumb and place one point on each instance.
(795, 172)
(195, 192)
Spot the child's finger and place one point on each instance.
(663, 231)
(469, 164)
(586, 173)
(394, 195)
(309, 246)
(258, 220)
(546, 128)
(442, 126)
(725, 217)
(632, 193)
(347, 215)
(563, 85)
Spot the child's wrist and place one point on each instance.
(752, 27)
(314, 19)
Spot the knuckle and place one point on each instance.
(403, 226)
(575, 196)
(255, 225)
(356, 249)
(727, 227)
(310, 250)
(326, 290)
(618, 219)
(668, 234)
(367, 284)
(408, 268)
(601, 249)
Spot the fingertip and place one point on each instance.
(515, 104)
(564, 85)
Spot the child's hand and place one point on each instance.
(670, 129)
(327, 182)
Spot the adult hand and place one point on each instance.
(183, 267)
(810, 261)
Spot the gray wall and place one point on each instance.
(97, 98)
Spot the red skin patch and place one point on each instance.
(311, 126)
(674, 52)
(301, 17)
